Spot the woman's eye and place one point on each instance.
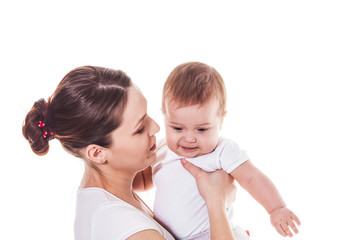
(177, 128)
(141, 130)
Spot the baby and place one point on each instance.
(194, 107)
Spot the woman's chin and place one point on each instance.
(152, 158)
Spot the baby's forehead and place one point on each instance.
(208, 108)
(191, 101)
(176, 105)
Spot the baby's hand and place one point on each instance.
(282, 218)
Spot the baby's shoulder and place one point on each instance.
(225, 143)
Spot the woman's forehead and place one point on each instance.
(136, 107)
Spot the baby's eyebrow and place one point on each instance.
(175, 123)
(196, 125)
(203, 124)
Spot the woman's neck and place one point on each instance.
(118, 184)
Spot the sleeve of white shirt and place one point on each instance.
(231, 156)
(116, 222)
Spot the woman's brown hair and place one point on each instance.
(85, 108)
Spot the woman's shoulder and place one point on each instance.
(109, 216)
(98, 200)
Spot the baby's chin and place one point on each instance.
(188, 153)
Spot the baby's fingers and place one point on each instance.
(286, 230)
(292, 224)
(296, 219)
(280, 230)
(287, 226)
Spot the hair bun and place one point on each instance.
(33, 130)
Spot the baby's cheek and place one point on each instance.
(212, 144)
(171, 141)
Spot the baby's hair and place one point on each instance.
(85, 108)
(194, 83)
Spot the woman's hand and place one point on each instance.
(217, 188)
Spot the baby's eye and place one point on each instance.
(177, 129)
(202, 129)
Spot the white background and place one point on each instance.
(292, 74)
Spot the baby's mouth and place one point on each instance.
(188, 148)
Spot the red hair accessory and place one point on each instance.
(46, 131)
(41, 124)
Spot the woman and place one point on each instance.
(98, 115)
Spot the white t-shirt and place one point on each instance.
(178, 205)
(102, 216)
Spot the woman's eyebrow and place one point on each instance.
(140, 120)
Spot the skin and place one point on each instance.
(131, 154)
(134, 139)
(193, 131)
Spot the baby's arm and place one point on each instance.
(264, 191)
(143, 180)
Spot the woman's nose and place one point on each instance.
(154, 127)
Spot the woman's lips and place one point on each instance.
(153, 147)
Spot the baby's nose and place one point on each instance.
(190, 137)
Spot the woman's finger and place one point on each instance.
(191, 168)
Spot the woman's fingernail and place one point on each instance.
(183, 161)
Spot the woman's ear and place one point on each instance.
(96, 154)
